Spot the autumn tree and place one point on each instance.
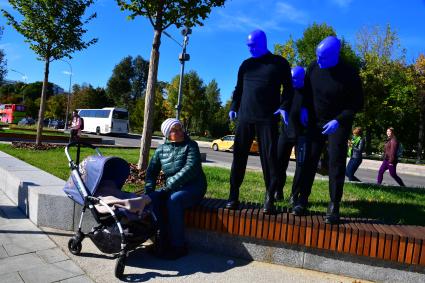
(54, 29)
(162, 14)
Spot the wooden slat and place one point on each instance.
(308, 231)
(354, 238)
(243, 222)
(271, 227)
(316, 227)
(254, 220)
(284, 228)
(259, 225)
(347, 239)
(381, 241)
(290, 228)
(327, 240)
(341, 237)
(360, 238)
(278, 227)
(301, 238)
(296, 230)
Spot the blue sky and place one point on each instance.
(217, 48)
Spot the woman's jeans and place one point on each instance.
(171, 220)
(392, 168)
(352, 167)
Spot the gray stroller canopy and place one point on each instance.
(95, 169)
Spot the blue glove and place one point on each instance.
(284, 115)
(304, 117)
(232, 115)
(330, 127)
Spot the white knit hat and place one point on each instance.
(167, 124)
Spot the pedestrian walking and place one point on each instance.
(355, 152)
(390, 161)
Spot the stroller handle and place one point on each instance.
(78, 144)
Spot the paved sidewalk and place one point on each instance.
(28, 254)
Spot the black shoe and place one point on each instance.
(332, 215)
(293, 201)
(232, 204)
(278, 195)
(269, 207)
(299, 210)
(174, 253)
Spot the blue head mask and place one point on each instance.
(298, 74)
(327, 52)
(257, 43)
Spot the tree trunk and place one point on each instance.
(145, 144)
(421, 130)
(42, 102)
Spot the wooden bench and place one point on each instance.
(404, 244)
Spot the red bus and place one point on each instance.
(11, 113)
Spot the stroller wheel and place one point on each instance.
(119, 266)
(74, 246)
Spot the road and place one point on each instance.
(224, 159)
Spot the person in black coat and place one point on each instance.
(256, 100)
(333, 91)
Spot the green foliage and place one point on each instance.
(288, 50)
(312, 36)
(163, 14)
(389, 87)
(33, 90)
(56, 106)
(52, 27)
(86, 96)
(128, 81)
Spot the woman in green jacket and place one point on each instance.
(185, 185)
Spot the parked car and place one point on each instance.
(26, 122)
(226, 144)
(56, 124)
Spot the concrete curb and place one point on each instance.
(40, 196)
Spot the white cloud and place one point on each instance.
(266, 15)
(66, 73)
(342, 3)
(291, 13)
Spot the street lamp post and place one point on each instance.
(24, 77)
(69, 93)
(183, 57)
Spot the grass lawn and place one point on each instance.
(389, 204)
(32, 132)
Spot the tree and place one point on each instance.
(288, 50)
(161, 15)
(420, 83)
(86, 96)
(3, 62)
(128, 81)
(312, 36)
(54, 30)
(388, 84)
(194, 102)
(56, 106)
(118, 88)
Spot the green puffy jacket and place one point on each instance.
(181, 164)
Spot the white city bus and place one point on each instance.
(107, 120)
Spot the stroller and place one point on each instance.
(118, 231)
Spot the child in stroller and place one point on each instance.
(122, 221)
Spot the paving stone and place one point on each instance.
(24, 247)
(52, 255)
(11, 278)
(3, 253)
(78, 279)
(19, 263)
(51, 272)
